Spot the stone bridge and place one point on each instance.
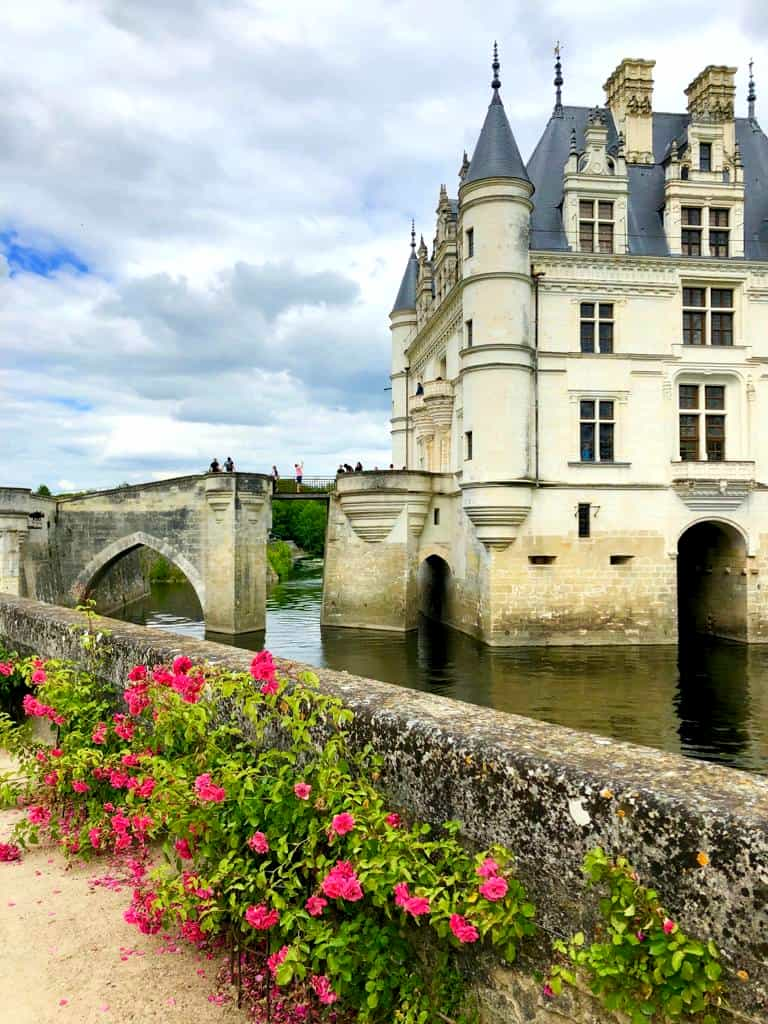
(213, 527)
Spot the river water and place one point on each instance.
(709, 700)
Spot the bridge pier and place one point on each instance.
(13, 533)
(238, 515)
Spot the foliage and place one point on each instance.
(163, 571)
(43, 491)
(280, 558)
(279, 844)
(13, 685)
(303, 522)
(643, 964)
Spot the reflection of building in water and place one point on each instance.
(586, 333)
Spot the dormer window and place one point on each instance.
(705, 156)
(595, 225)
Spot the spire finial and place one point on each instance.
(558, 111)
(413, 235)
(751, 95)
(573, 142)
(496, 83)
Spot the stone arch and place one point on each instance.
(712, 580)
(719, 521)
(113, 551)
(434, 580)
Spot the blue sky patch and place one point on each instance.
(75, 404)
(45, 262)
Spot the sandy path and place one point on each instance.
(67, 956)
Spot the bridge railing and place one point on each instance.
(309, 485)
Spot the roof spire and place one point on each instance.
(558, 111)
(751, 95)
(496, 83)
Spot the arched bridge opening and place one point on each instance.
(123, 572)
(434, 583)
(712, 582)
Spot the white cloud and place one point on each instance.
(239, 176)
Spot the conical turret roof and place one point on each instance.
(406, 296)
(496, 154)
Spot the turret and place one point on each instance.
(495, 207)
(402, 324)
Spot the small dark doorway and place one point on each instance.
(434, 583)
(712, 582)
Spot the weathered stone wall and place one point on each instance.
(548, 793)
(127, 580)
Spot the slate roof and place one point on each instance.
(496, 154)
(406, 296)
(646, 183)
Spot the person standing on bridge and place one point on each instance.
(214, 467)
(275, 479)
(229, 465)
(299, 467)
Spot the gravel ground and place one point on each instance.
(68, 957)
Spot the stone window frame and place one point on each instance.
(702, 231)
(736, 441)
(708, 311)
(597, 224)
(620, 399)
(597, 320)
(706, 411)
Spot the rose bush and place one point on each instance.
(276, 840)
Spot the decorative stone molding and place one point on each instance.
(373, 502)
(713, 486)
(496, 510)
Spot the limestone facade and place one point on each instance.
(578, 379)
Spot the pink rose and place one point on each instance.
(207, 791)
(80, 787)
(302, 790)
(276, 959)
(341, 882)
(100, 733)
(263, 667)
(417, 905)
(270, 688)
(488, 868)
(39, 815)
(38, 676)
(315, 905)
(342, 823)
(402, 895)
(182, 664)
(393, 820)
(259, 843)
(261, 918)
(6, 668)
(182, 847)
(494, 888)
(137, 673)
(462, 929)
(322, 989)
(668, 926)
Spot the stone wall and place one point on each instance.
(126, 581)
(548, 793)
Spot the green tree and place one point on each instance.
(44, 491)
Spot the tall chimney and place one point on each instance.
(629, 94)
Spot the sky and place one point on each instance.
(205, 206)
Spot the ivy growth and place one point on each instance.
(643, 964)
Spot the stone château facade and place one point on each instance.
(579, 386)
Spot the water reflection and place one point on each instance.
(708, 700)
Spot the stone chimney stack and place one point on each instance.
(629, 94)
(710, 101)
(711, 94)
